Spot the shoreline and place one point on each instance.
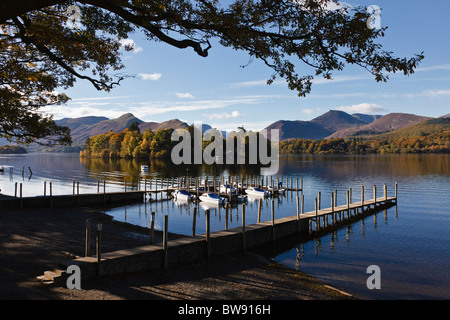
(34, 240)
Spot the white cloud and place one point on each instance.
(184, 95)
(363, 108)
(130, 44)
(150, 76)
(234, 114)
(310, 111)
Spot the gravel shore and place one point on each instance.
(33, 241)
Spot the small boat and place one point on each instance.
(211, 198)
(182, 195)
(226, 189)
(144, 168)
(254, 191)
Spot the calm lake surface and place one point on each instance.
(409, 242)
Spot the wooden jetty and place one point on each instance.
(173, 252)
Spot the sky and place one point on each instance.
(169, 83)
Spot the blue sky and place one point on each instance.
(171, 83)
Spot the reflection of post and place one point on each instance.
(99, 249)
(208, 239)
(87, 246)
(243, 227)
(165, 235)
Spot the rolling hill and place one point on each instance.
(388, 123)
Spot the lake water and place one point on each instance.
(410, 242)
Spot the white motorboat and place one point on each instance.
(182, 195)
(144, 168)
(255, 191)
(226, 189)
(211, 198)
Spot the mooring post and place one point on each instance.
(21, 200)
(303, 203)
(45, 188)
(194, 221)
(152, 228)
(51, 195)
(374, 196)
(317, 214)
(208, 235)
(87, 242)
(385, 192)
(396, 189)
(78, 193)
(243, 227)
(99, 249)
(227, 209)
(332, 207)
(165, 236)
(319, 196)
(15, 190)
(273, 219)
(362, 198)
(298, 207)
(259, 210)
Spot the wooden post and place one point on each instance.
(45, 188)
(273, 220)
(208, 238)
(348, 202)
(297, 184)
(87, 247)
(194, 221)
(396, 189)
(362, 197)
(298, 208)
(317, 214)
(15, 190)
(243, 227)
(152, 228)
(335, 197)
(303, 203)
(332, 203)
(319, 197)
(99, 249)
(51, 196)
(21, 201)
(227, 214)
(374, 196)
(259, 210)
(385, 192)
(165, 238)
(78, 193)
(98, 186)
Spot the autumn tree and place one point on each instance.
(42, 54)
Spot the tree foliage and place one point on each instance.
(42, 53)
(431, 143)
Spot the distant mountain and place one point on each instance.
(171, 124)
(335, 120)
(92, 128)
(388, 123)
(74, 123)
(446, 116)
(424, 128)
(367, 118)
(299, 129)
